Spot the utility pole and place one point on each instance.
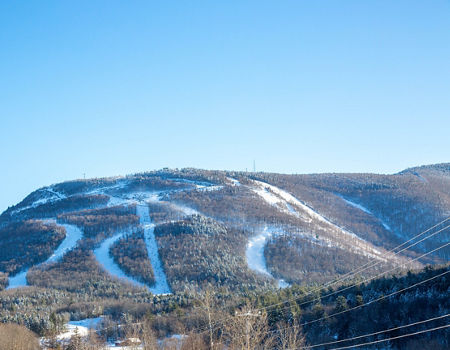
(254, 166)
(247, 316)
(84, 176)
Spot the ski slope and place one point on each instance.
(161, 286)
(367, 211)
(104, 258)
(73, 234)
(255, 254)
(290, 205)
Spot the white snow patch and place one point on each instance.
(367, 211)
(103, 257)
(73, 234)
(18, 280)
(90, 323)
(255, 254)
(83, 332)
(283, 284)
(184, 209)
(291, 205)
(161, 286)
(234, 182)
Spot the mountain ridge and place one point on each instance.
(297, 218)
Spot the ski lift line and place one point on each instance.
(379, 332)
(357, 271)
(387, 339)
(342, 290)
(368, 303)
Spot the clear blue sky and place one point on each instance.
(115, 87)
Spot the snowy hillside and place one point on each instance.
(171, 230)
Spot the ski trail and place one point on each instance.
(73, 234)
(255, 254)
(104, 258)
(18, 280)
(161, 286)
(287, 203)
(367, 211)
(140, 199)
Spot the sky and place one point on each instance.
(106, 88)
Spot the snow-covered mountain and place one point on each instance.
(172, 230)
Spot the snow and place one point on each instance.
(184, 209)
(141, 199)
(73, 234)
(234, 182)
(19, 280)
(103, 257)
(90, 323)
(367, 211)
(70, 332)
(255, 254)
(161, 286)
(283, 284)
(291, 205)
(82, 326)
(55, 196)
(267, 196)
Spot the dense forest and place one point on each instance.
(226, 243)
(297, 317)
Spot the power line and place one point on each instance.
(366, 280)
(372, 301)
(362, 305)
(365, 267)
(388, 339)
(358, 270)
(368, 303)
(379, 332)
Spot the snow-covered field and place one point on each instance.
(73, 234)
